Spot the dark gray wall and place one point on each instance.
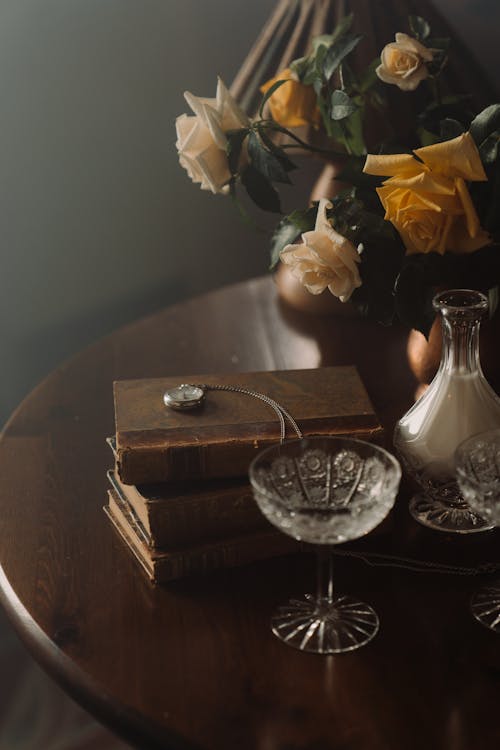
(98, 222)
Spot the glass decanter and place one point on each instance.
(457, 404)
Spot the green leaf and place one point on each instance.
(421, 274)
(378, 100)
(420, 28)
(348, 78)
(318, 88)
(352, 172)
(317, 73)
(260, 190)
(414, 296)
(342, 27)
(326, 40)
(310, 69)
(450, 107)
(278, 152)
(350, 133)
(380, 263)
(235, 140)
(329, 124)
(341, 105)
(426, 137)
(244, 215)
(264, 161)
(322, 40)
(436, 65)
(276, 85)
(340, 49)
(485, 123)
(486, 198)
(451, 128)
(300, 66)
(488, 150)
(369, 77)
(289, 229)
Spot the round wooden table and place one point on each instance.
(193, 664)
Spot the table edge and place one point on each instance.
(119, 718)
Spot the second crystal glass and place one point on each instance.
(478, 473)
(325, 491)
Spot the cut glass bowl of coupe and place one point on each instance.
(325, 491)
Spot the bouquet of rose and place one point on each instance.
(413, 218)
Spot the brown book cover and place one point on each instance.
(162, 565)
(169, 516)
(219, 439)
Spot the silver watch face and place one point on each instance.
(184, 396)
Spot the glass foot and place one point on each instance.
(485, 607)
(330, 627)
(453, 518)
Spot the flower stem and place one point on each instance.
(437, 91)
(272, 126)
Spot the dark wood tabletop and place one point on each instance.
(193, 664)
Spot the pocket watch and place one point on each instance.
(184, 396)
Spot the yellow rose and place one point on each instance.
(292, 104)
(324, 259)
(428, 201)
(403, 62)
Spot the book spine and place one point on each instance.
(230, 459)
(227, 554)
(169, 463)
(204, 519)
(163, 566)
(176, 522)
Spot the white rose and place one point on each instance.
(201, 140)
(403, 62)
(324, 259)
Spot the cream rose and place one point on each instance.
(324, 259)
(403, 62)
(201, 140)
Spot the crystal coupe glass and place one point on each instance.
(325, 490)
(477, 462)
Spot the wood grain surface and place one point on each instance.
(193, 664)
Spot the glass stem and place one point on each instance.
(325, 576)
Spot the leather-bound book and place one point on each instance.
(155, 443)
(162, 565)
(168, 516)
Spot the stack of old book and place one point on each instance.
(179, 495)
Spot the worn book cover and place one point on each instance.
(175, 514)
(172, 517)
(219, 439)
(167, 565)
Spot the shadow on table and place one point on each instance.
(35, 713)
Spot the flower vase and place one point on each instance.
(458, 403)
